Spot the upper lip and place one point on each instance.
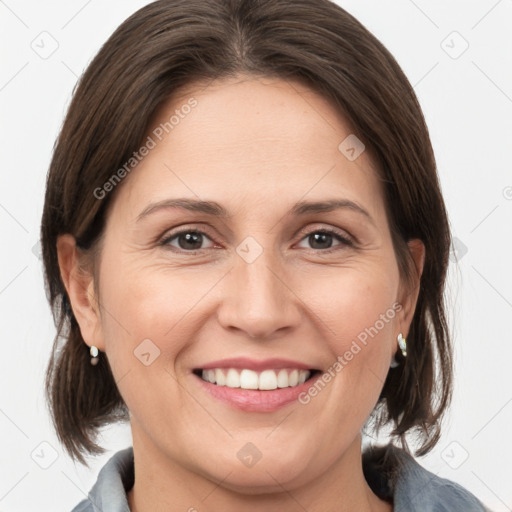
(254, 364)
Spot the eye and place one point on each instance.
(322, 239)
(188, 240)
(191, 240)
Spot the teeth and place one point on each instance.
(293, 378)
(220, 378)
(268, 379)
(232, 379)
(282, 379)
(210, 376)
(249, 379)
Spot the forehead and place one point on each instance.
(243, 141)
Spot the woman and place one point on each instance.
(245, 247)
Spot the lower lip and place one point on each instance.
(254, 400)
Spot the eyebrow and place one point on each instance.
(215, 209)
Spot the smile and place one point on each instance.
(249, 379)
(253, 385)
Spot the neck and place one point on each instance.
(163, 484)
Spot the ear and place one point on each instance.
(79, 285)
(410, 292)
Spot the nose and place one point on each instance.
(258, 299)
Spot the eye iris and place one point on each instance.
(320, 238)
(190, 238)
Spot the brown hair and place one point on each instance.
(171, 43)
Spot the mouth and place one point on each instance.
(255, 385)
(248, 379)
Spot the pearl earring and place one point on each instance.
(94, 355)
(402, 343)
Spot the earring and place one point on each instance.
(94, 355)
(402, 343)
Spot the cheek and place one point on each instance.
(150, 300)
(147, 320)
(154, 315)
(367, 320)
(357, 302)
(358, 312)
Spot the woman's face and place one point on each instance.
(251, 289)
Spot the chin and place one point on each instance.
(248, 470)
(262, 478)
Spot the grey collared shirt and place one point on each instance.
(392, 474)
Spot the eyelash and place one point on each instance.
(341, 238)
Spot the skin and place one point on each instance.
(256, 146)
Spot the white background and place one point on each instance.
(467, 102)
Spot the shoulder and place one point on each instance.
(114, 480)
(393, 473)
